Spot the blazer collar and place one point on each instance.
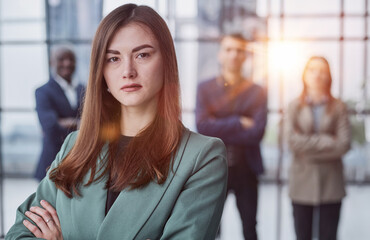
(61, 95)
(306, 119)
(309, 101)
(124, 215)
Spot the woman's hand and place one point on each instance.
(48, 225)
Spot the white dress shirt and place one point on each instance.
(70, 90)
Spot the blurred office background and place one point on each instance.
(284, 34)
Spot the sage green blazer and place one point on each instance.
(187, 206)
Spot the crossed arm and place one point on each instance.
(234, 129)
(322, 145)
(49, 119)
(37, 217)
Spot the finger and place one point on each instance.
(46, 216)
(38, 220)
(41, 212)
(33, 229)
(51, 211)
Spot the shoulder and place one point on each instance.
(197, 140)
(43, 87)
(201, 152)
(293, 108)
(207, 83)
(47, 87)
(71, 139)
(294, 104)
(259, 92)
(68, 143)
(203, 148)
(64, 150)
(257, 87)
(338, 102)
(339, 105)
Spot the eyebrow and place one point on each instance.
(141, 47)
(133, 50)
(236, 48)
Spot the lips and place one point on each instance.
(131, 87)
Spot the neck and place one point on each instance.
(134, 120)
(231, 78)
(316, 95)
(68, 80)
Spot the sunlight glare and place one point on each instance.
(285, 57)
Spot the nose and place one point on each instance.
(316, 73)
(66, 62)
(233, 54)
(129, 70)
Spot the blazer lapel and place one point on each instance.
(305, 120)
(90, 210)
(61, 96)
(133, 208)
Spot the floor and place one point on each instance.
(354, 224)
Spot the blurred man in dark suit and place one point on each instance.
(58, 105)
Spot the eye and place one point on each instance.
(143, 55)
(311, 69)
(112, 59)
(241, 51)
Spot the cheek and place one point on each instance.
(310, 78)
(324, 80)
(158, 74)
(242, 57)
(108, 76)
(158, 80)
(307, 80)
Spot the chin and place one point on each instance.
(130, 104)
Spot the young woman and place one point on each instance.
(132, 171)
(319, 135)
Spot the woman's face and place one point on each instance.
(133, 67)
(317, 75)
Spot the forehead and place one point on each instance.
(132, 35)
(230, 42)
(63, 54)
(317, 63)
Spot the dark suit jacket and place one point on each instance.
(217, 115)
(51, 105)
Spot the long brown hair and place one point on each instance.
(148, 155)
(327, 90)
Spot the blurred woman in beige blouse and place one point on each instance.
(319, 135)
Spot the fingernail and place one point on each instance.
(31, 208)
(27, 212)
